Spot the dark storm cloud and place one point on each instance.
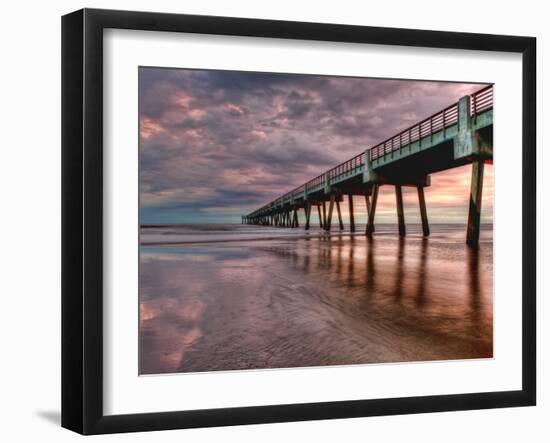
(221, 143)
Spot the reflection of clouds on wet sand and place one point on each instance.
(169, 320)
(171, 326)
(318, 301)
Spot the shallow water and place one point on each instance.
(277, 299)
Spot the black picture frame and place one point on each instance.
(82, 218)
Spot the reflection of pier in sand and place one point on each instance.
(397, 278)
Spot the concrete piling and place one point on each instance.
(474, 213)
(400, 212)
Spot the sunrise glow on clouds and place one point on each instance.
(215, 145)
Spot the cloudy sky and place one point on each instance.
(215, 145)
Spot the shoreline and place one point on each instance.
(313, 233)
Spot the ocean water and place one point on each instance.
(234, 297)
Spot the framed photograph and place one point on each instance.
(269, 221)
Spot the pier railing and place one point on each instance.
(480, 101)
(348, 166)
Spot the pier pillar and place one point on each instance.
(423, 212)
(340, 222)
(320, 216)
(330, 209)
(351, 216)
(324, 215)
(295, 222)
(474, 214)
(372, 210)
(307, 210)
(367, 205)
(400, 213)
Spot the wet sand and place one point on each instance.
(328, 300)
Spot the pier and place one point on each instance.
(455, 136)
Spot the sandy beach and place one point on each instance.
(315, 301)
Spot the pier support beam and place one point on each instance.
(351, 216)
(423, 212)
(307, 210)
(324, 215)
(328, 221)
(372, 210)
(320, 216)
(367, 206)
(340, 222)
(400, 213)
(474, 214)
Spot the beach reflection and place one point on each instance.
(329, 300)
